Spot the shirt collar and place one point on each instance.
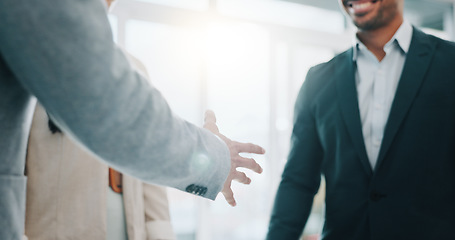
(402, 36)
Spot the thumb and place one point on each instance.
(210, 122)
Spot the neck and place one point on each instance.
(376, 39)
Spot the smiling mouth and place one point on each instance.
(359, 6)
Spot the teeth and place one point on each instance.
(359, 6)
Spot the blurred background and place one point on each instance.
(246, 60)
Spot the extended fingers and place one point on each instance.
(229, 196)
(249, 163)
(249, 148)
(241, 177)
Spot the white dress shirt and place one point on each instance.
(116, 219)
(376, 83)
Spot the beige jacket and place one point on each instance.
(67, 189)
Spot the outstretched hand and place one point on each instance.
(235, 148)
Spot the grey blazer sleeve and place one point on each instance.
(62, 52)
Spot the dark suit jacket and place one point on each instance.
(411, 192)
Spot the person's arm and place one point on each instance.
(156, 206)
(302, 173)
(62, 52)
(157, 219)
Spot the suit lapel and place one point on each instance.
(417, 62)
(347, 93)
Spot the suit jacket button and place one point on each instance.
(190, 188)
(203, 191)
(197, 190)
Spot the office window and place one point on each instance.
(172, 56)
(238, 66)
(284, 13)
(189, 4)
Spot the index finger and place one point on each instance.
(250, 148)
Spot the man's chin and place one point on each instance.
(366, 25)
(369, 21)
